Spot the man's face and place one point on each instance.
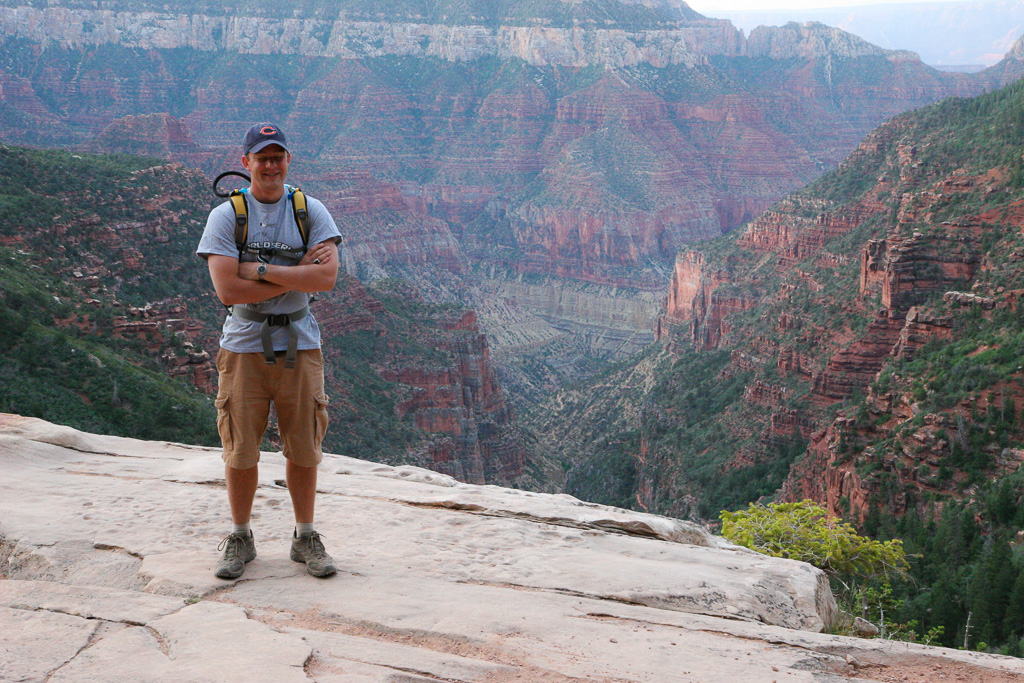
(268, 168)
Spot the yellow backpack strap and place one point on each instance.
(301, 215)
(241, 219)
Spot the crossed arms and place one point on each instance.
(238, 283)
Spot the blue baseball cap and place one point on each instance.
(262, 135)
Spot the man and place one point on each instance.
(270, 344)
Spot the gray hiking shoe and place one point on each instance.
(237, 551)
(310, 549)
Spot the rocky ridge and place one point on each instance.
(118, 576)
(345, 39)
(687, 43)
(442, 406)
(920, 258)
(806, 306)
(813, 39)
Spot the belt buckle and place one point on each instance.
(279, 320)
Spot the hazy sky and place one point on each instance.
(943, 32)
(708, 7)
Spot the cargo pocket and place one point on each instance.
(224, 423)
(321, 417)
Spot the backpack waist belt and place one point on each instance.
(269, 320)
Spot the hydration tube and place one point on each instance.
(224, 175)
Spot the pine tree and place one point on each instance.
(1003, 505)
(1013, 624)
(991, 586)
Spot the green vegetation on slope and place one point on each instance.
(967, 571)
(807, 532)
(62, 360)
(365, 420)
(82, 377)
(109, 233)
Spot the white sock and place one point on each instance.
(241, 529)
(304, 529)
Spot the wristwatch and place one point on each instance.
(261, 270)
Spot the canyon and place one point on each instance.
(529, 201)
(552, 175)
(858, 345)
(472, 152)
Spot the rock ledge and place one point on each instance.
(108, 545)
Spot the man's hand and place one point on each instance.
(321, 253)
(316, 272)
(317, 255)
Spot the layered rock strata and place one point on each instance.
(532, 146)
(619, 319)
(700, 301)
(920, 257)
(357, 40)
(462, 407)
(632, 164)
(442, 379)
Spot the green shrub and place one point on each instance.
(807, 532)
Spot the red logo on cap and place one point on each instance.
(267, 130)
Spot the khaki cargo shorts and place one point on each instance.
(245, 390)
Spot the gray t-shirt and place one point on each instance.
(272, 225)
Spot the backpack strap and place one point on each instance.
(298, 200)
(301, 215)
(267, 322)
(241, 219)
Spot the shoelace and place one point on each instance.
(315, 544)
(235, 541)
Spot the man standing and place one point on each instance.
(270, 343)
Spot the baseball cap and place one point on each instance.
(261, 135)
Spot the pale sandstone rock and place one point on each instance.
(1017, 51)
(689, 44)
(439, 581)
(202, 642)
(812, 39)
(87, 602)
(36, 643)
(620, 317)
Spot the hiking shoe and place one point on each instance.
(310, 549)
(237, 551)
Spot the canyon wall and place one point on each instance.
(561, 145)
(543, 171)
(826, 301)
(358, 40)
(409, 381)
